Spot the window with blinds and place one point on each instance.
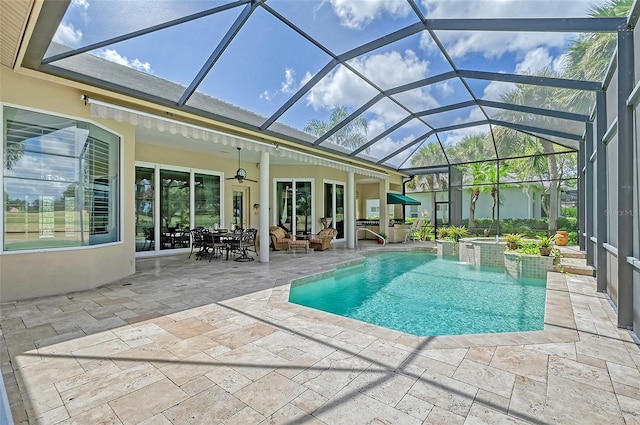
(60, 179)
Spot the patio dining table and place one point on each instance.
(216, 243)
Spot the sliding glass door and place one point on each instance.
(334, 203)
(294, 205)
(144, 208)
(170, 202)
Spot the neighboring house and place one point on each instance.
(515, 202)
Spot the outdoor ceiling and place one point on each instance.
(416, 73)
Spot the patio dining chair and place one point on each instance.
(245, 243)
(213, 246)
(149, 235)
(411, 233)
(197, 241)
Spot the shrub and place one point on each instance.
(443, 233)
(526, 226)
(425, 233)
(573, 238)
(457, 232)
(570, 224)
(529, 248)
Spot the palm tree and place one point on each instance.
(473, 148)
(542, 97)
(352, 135)
(14, 150)
(428, 154)
(588, 56)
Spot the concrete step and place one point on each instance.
(571, 252)
(575, 266)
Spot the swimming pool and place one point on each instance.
(421, 294)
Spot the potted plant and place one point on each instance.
(562, 237)
(544, 244)
(382, 235)
(512, 240)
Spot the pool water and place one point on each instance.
(421, 294)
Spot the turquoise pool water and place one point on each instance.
(421, 294)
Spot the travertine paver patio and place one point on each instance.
(193, 342)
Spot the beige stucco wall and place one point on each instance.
(171, 157)
(28, 275)
(35, 274)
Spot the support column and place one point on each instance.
(581, 196)
(601, 201)
(350, 216)
(263, 230)
(625, 178)
(384, 208)
(589, 201)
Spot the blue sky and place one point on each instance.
(267, 62)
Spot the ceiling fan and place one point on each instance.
(241, 173)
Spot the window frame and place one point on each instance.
(157, 166)
(120, 195)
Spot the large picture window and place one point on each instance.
(60, 182)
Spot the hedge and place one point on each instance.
(527, 226)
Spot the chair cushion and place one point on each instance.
(282, 240)
(328, 232)
(279, 233)
(315, 240)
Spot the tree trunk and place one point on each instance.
(475, 194)
(554, 186)
(495, 201)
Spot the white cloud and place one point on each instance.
(387, 146)
(496, 89)
(358, 14)
(288, 86)
(450, 138)
(112, 55)
(495, 44)
(392, 69)
(506, 8)
(289, 81)
(342, 87)
(535, 61)
(445, 88)
(266, 95)
(67, 35)
(80, 4)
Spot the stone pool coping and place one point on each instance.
(559, 321)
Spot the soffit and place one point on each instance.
(13, 20)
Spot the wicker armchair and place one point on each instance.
(323, 239)
(279, 238)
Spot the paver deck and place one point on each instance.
(193, 342)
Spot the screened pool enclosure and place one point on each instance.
(522, 102)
